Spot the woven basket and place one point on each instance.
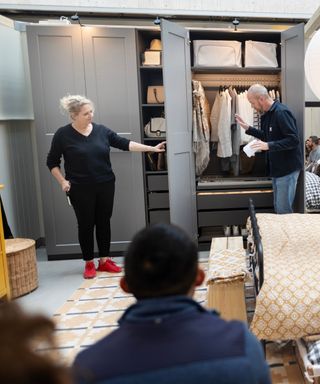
(22, 266)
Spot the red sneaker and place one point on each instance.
(89, 270)
(109, 266)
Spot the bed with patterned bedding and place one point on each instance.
(288, 302)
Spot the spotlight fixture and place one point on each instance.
(235, 23)
(157, 21)
(75, 17)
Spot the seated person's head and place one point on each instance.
(20, 362)
(313, 140)
(161, 261)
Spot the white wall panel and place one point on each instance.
(15, 90)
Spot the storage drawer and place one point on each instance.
(232, 217)
(159, 217)
(234, 199)
(158, 200)
(157, 182)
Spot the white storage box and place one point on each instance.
(260, 54)
(217, 53)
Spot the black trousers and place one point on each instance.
(93, 204)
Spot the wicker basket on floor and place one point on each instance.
(22, 266)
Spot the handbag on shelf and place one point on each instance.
(162, 161)
(155, 94)
(151, 161)
(156, 161)
(156, 127)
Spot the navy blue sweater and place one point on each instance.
(278, 128)
(173, 340)
(86, 158)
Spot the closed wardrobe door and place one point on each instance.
(56, 67)
(111, 74)
(293, 85)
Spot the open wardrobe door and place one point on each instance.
(293, 85)
(178, 109)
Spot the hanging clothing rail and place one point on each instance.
(216, 80)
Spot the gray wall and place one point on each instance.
(18, 168)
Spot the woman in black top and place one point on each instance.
(89, 180)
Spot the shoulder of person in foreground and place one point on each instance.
(255, 355)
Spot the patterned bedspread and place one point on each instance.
(288, 304)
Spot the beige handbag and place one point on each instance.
(155, 94)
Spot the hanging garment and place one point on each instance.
(214, 117)
(201, 127)
(246, 112)
(224, 127)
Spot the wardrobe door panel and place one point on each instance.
(56, 67)
(293, 85)
(112, 83)
(178, 110)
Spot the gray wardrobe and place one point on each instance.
(103, 63)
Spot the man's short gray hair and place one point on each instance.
(257, 90)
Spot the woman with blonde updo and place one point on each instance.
(89, 180)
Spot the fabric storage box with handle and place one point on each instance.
(217, 53)
(260, 54)
(155, 94)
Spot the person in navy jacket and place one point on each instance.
(279, 137)
(166, 336)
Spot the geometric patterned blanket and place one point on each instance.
(288, 304)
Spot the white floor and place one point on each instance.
(57, 281)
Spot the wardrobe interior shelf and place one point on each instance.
(236, 70)
(151, 67)
(156, 172)
(153, 105)
(154, 139)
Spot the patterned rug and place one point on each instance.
(93, 310)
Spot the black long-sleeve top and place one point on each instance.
(278, 128)
(86, 158)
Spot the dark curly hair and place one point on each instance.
(161, 260)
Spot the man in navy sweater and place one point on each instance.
(167, 337)
(279, 137)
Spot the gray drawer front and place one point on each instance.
(158, 182)
(159, 217)
(234, 199)
(158, 200)
(234, 217)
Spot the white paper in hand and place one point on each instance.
(248, 150)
